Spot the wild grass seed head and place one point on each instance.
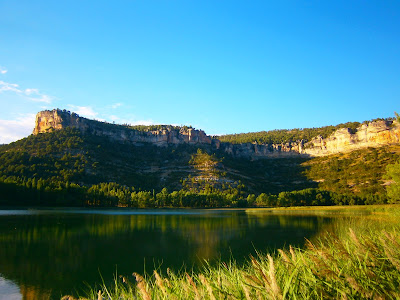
(246, 292)
(285, 258)
(394, 239)
(292, 253)
(141, 285)
(208, 286)
(160, 283)
(195, 290)
(276, 291)
(253, 280)
(100, 295)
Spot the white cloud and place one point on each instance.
(3, 70)
(116, 105)
(13, 130)
(83, 111)
(9, 87)
(29, 94)
(42, 98)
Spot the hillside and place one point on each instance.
(92, 164)
(71, 158)
(360, 172)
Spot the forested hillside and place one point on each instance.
(68, 167)
(65, 166)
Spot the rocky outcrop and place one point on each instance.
(49, 120)
(373, 134)
(57, 119)
(254, 150)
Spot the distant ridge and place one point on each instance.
(161, 135)
(373, 134)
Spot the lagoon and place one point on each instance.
(47, 253)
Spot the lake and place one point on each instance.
(46, 253)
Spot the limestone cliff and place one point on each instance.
(56, 119)
(373, 134)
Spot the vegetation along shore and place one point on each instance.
(359, 262)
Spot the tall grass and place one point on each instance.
(357, 263)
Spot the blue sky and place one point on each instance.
(220, 66)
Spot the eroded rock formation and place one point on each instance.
(373, 134)
(56, 119)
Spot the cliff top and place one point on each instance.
(56, 119)
(57, 116)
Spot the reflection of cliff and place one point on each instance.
(202, 237)
(58, 252)
(203, 234)
(31, 293)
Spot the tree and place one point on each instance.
(163, 198)
(397, 116)
(262, 199)
(393, 190)
(251, 199)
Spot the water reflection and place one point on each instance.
(50, 253)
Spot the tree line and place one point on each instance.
(34, 191)
(282, 136)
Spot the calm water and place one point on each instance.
(48, 253)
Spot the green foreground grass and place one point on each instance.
(360, 261)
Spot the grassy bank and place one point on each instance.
(391, 210)
(360, 261)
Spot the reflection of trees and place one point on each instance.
(32, 293)
(55, 251)
(295, 221)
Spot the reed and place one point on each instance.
(358, 263)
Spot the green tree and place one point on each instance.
(251, 199)
(163, 198)
(393, 190)
(262, 199)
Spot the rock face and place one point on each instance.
(374, 134)
(56, 119)
(254, 150)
